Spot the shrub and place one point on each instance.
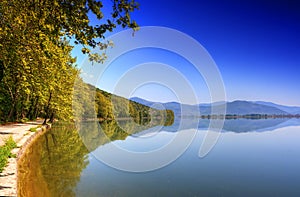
(34, 129)
(5, 152)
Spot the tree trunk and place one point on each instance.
(11, 112)
(51, 118)
(47, 109)
(33, 110)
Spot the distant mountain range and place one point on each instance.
(289, 109)
(235, 107)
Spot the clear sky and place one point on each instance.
(255, 44)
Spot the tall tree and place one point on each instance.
(36, 68)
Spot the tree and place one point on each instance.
(36, 69)
(71, 19)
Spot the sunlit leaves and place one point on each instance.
(37, 71)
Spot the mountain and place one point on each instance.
(189, 110)
(235, 107)
(245, 107)
(142, 101)
(290, 109)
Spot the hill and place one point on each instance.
(92, 103)
(245, 107)
(290, 109)
(235, 107)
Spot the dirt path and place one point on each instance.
(21, 134)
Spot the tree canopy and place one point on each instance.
(69, 19)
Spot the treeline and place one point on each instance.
(63, 95)
(38, 75)
(37, 71)
(31, 89)
(92, 103)
(109, 106)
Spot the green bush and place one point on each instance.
(23, 120)
(5, 152)
(34, 129)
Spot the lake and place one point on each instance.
(251, 158)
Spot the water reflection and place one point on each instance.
(53, 164)
(94, 134)
(235, 125)
(59, 164)
(241, 164)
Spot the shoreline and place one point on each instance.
(23, 137)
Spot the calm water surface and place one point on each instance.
(251, 158)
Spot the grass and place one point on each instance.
(24, 120)
(34, 129)
(5, 152)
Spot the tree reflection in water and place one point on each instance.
(52, 165)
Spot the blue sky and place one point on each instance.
(255, 44)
